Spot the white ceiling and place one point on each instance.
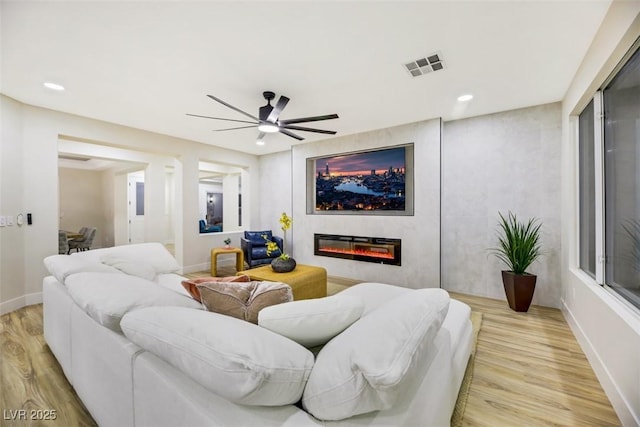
(146, 65)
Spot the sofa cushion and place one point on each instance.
(107, 297)
(312, 322)
(258, 238)
(191, 284)
(173, 282)
(131, 267)
(239, 361)
(62, 266)
(243, 300)
(152, 253)
(364, 368)
(374, 294)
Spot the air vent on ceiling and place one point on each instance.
(425, 65)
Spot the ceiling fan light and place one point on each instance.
(53, 86)
(268, 128)
(260, 142)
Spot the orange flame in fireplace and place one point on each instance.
(364, 252)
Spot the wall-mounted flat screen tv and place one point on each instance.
(377, 181)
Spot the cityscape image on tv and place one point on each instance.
(373, 180)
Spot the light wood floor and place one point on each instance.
(529, 371)
(31, 379)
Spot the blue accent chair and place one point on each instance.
(254, 247)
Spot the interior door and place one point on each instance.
(136, 207)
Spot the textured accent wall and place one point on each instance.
(420, 233)
(502, 162)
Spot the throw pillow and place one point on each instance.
(365, 368)
(243, 300)
(191, 284)
(312, 322)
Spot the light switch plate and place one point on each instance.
(9, 219)
(3, 221)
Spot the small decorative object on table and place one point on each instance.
(284, 263)
(227, 242)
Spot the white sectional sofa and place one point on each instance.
(139, 351)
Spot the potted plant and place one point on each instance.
(518, 247)
(227, 242)
(284, 263)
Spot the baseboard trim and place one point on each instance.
(18, 303)
(620, 404)
(206, 266)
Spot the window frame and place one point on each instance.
(600, 186)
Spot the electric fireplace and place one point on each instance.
(370, 249)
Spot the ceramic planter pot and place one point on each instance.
(280, 265)
(519, 289)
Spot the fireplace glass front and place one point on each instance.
(369, 249)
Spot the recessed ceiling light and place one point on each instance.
(464, 98)
(268, 128)
(53, 86)
(260, 142)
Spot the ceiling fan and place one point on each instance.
(268, 118)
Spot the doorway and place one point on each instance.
(136, 207)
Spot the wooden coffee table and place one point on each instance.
(306, 281)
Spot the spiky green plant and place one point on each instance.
(518, 243)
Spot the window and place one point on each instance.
(587, 191)
(621, 102)
(609, 160)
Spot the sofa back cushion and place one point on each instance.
(154, 254)
(243, 300)
(63, 266)
(106, 297)
(258, 238)
(237, 360)
(131, 267)
(365, 367)
(312, 322)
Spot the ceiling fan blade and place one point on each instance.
(275, 113)
(241, 127)
(309, 119)
(291, 134)
(220, 118)
(233, 108)
(329, 132)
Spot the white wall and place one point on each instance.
(501, 162)
(608, 331)
(275, 195)
(30, 138)
(420, 233)
(13, 262)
